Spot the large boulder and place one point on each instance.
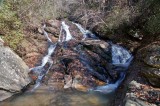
(13, 73)
(150, 57)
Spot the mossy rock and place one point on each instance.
(150, 57)
(152, 75)
(152, 24)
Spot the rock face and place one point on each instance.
(141, 95)
(13, 73)
(33, 46)
(150, 57)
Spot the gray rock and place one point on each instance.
(150, 57)
(13, 73)
(53, 31)
(5, 94)
(141, 95)
(137, 102)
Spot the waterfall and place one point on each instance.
(121, 58)
(86, 33)
(83, 31)
(40, 71)
(64, 33)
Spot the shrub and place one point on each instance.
(10, 25)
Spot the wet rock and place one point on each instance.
(32, 48)
(136, 34)
(130, 45)
(137, 102)
(151, 68)
(77, 83)
(152, 75)
(53, 31)
(68, 81)
(54, 23)
(80, 65)
(13, 72)
(141, 95)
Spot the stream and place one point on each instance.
(100, 95)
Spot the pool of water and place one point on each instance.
(59, 98)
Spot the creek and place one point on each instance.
(116, 58)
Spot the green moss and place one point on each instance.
(10, 25)
(153, 22)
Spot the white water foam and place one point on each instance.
(86, 33)
(83, 31)
(47, 59)
(121, 58)
(39, 70)
(66, 36)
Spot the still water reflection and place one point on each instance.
(62, 98)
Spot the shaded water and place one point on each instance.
(62, 98)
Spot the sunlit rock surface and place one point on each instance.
(13, 73)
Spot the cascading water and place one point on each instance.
(120, 56)
(86, 33)
(65, 34)
(40, 70)
(121, 59)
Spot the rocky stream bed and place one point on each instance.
(78, 65)
(80, 53)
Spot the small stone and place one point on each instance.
(102, 46)
(68, 81)
(40, 30)
(1, 42)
